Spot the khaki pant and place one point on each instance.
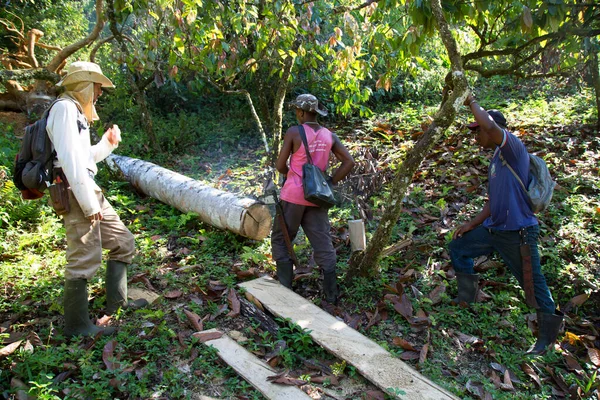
(86, 239)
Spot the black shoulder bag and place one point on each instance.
(317, 189)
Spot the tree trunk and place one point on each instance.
(244, 216)
(256, 119)
(593, 67)
(365, 263)
(279, 100)
(138, 92)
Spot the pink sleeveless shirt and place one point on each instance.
(319, 144)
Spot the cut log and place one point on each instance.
(244, 216)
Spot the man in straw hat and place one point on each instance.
(506, 225)
(91, 224)
(296, 210)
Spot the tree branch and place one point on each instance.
(341, 9)
(12, 29)
(61, 57)
(48, 47)
(23, 74)
(98, 45)
(33, 36)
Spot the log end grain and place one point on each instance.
(256, 222)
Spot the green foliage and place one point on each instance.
(299, 343)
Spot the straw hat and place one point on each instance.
(84, 71)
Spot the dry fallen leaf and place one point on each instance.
(195, 320)
(410, 355)
(468, 339)
(283, 379)
(575, 301)
(475, 388)
(206, 336)
(374, 395)
(507, 384)
(404, 306)
(332, 379)
(234, 303)
(398, 341)
(529, 371)
(144, 279)
(572, 364)
(594, 355)
(7, 350)
(108, 355)
(104, 321)
(173, 294)
(423, 354)
(436, 294)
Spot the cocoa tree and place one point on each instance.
(511, 39)
(364, 263)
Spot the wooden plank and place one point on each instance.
(371, 360)
(253, 370)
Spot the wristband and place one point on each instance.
(471, 102)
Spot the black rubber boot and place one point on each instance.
(330, 289)
(468, 285)
(548, 327)
(116, 288)
(285, 273)
(77, 317)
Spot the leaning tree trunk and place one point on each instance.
(244, 216)
(365, 263)
(138, 92)
(593, 65)
(279, 100)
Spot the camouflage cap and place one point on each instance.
(308, 102)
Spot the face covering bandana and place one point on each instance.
(83, 93)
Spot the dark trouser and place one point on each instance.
(315, 223)
(483, 241)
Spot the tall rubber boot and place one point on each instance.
(116, 288)
(285, 273)
(77, 317)
(468, 285)
(548, 327)
(330, 287)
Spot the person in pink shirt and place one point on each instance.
(296, 210)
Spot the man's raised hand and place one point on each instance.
(113, 134)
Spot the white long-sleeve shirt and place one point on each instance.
(75, 153)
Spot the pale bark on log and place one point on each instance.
(244, 216)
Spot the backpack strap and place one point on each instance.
(45, 117)
(504, 162)
(303, 137)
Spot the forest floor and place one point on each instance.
(476, 352)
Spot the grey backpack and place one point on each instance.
(541, 186)
(33, 168)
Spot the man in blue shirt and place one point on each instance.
(506, 225)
